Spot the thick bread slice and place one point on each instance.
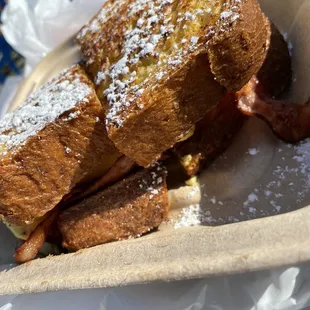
(128, 209)
(54, 141)
(214, 133)
(276, 72)
(239, 44)
(151, 61)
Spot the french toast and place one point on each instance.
(276, 72)
(55, 141)
(127, 209)
(160, 65)
(214, 133)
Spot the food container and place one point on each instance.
(253, 211)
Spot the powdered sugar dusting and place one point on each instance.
(139, 43)
(194, 215)
(150, 25)
(155, 186)
(302, 151)
(251, 198)
(43, 107)
(289, 43)
(253, 151)
(283, 185)
(230, 15)
(94, 25)
(190, 216)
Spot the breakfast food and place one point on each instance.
(276, 72)
(125, 210)
(215, 132)
(55, 141)
(160, 66)
(289, 121)
(122, 167)
(159, 80)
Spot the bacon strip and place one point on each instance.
(120, 169)
(290, 122)
(31, 247)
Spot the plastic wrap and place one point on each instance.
(35, 27)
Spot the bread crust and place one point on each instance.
(238, 47)
(276, 72)
(228, 45)
(213, 134)
(127, 209)
(36, 173)
(216, 130)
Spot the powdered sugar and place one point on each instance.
(142, 39)
(155, 185)
(190, 216)
(94, 25)
(277, 190)
(253, 151)
(230, 15)
(289, 43)
(280, 186)
(142, 49)
(283, 186)
(213, 200)
(43, 107)
(302, 151)
(193, 192)
(251, 198)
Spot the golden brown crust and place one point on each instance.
(119, 170)
(35, 175)
(239, 45)
(215, 131)
(129, 208)
(213, 134)
(173, 86)
(173, 110)
(276, 72)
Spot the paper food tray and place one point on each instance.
(251, 206)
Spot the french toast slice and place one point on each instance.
(56, 140)
(127, 209)
(276, 72)
(214, 133)
(160, 65)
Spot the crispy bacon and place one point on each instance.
(290, 122)
(119, 170)
(31, 247)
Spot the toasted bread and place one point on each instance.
(120, 169)
(161, 65)
(54, 141)
(276, 72)
(127, 209)
(212, 136)
(215, 132)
